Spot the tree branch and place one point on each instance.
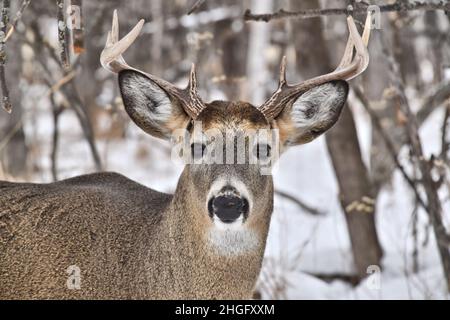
(435, 210)
(398, 6)
(68, 88)
(300, 203)
(4, 87)
(17, 18)
(63, 53)
(376, 121)
(196, 5)
(56, 110)
(445, 144)
(436, 97)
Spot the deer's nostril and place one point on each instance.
(228, 207)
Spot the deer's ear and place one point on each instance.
(152, 108)
(312, 113)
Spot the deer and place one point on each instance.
(118, 239)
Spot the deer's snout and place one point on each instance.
(228, 206)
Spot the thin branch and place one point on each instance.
(445, 144)
(17, 18)
(5, 91)
(196, 5)
(78, 106)
(63, 52)
(398, 6)
(57, 86)
(299, 203)
(4, 87)
(414, 234)
(435, 210)
(68, 88)
(376, 121)
(351, 279)
(6, 139)
(56, 110)
(434, 98)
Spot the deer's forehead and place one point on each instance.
(224, 115)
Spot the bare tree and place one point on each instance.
(355, 189)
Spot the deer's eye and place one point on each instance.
(198, 150)
(262, 151)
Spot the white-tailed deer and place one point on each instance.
(119, 239)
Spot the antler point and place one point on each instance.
(282, 80)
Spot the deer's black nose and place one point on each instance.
(228, 207)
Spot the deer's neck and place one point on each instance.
(199, 266)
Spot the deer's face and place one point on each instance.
(230, 159)
(230, 146)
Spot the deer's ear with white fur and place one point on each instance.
(152, 108)
(312, 113)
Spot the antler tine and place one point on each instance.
(282, 82)
(196, 104)
(192, 85)
(367, 28)
(361, 60)
(349, 67)
(111, 56)
(348, 54)
(115, 27)
(355, 41)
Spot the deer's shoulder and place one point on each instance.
(106, 184)
(89, 197)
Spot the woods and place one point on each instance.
(373, 191)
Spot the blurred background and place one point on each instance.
(362, 212)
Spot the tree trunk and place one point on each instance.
(13, 151)
(342, 142)
(355, 192)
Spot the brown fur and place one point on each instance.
(114, 230)
(130, 242)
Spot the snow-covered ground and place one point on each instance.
(299, 244)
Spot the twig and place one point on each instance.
(6, 139)
(425, 166)
(434, 98)
(6, 101)
(67, 78)
(56, 113)
(361, 8)
(389, 144)
(351, 279)
(68, 88)
(444, 142)
(78, 106)
(414, 234)
(196, 5)
(4, 87)
(17, 18)
(300, 203)
(63, 53)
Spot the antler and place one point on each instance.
(112, 60)
(348, 68)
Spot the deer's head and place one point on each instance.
(227, 192)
